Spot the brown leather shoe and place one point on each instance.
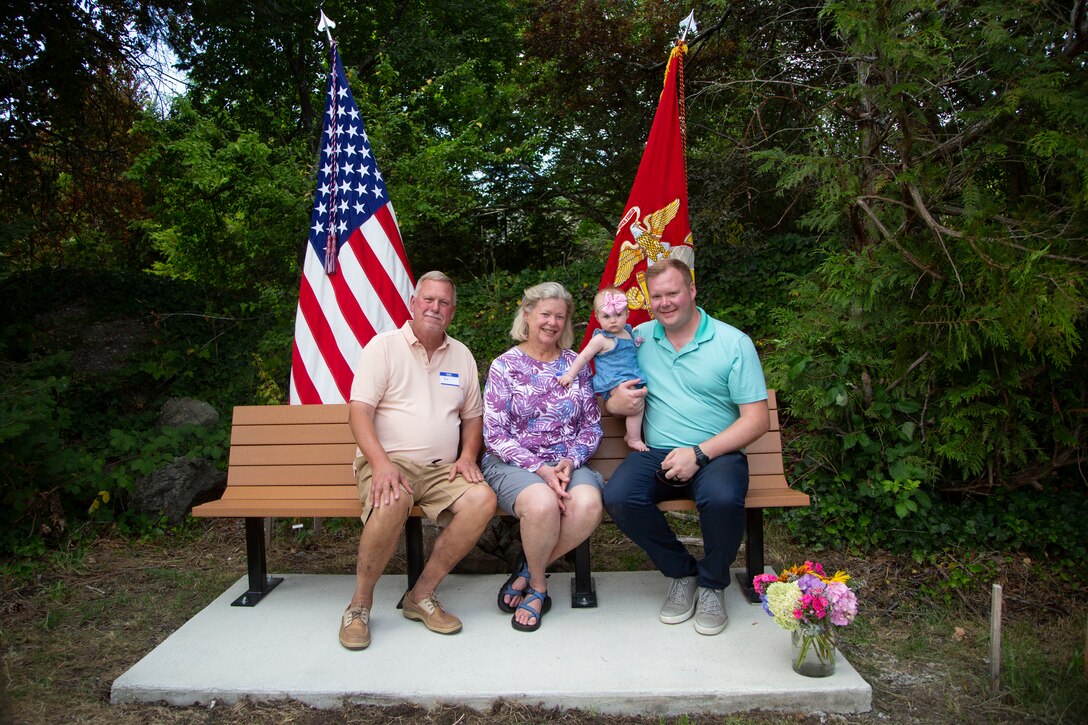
(430, 612)
(355, 628)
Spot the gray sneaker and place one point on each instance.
(680, 603)
(710, 614)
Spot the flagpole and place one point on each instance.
(356, 281)
(687, 24)
(323, 23)
(332, 245)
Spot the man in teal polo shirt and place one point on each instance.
(705, 400)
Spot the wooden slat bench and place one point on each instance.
(296, 461)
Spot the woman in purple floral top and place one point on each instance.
(539, 435)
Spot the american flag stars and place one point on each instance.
(362, 286)
(350, 187)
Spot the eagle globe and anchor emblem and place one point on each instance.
(646, 232)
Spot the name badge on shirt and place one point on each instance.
(451, 379)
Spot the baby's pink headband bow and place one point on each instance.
(613, 303)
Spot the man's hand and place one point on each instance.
(386, 484)
(680, 464)
(626, 399)
(466, 467)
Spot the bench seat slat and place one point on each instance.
(287, 508)
(777, 498)
(787, 498)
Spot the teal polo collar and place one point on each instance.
(703, 334)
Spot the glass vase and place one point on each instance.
(813, 652)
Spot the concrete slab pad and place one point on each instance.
(617, 658)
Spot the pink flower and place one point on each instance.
(638, 342)
(844, 604)
(760, 582)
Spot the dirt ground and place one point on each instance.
(89, 615)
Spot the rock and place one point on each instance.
(178, 412)
(172, 489)
(495, 552)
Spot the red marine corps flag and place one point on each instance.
(355, 276)
(655, 221)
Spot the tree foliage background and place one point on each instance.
(889, 196)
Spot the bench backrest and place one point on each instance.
(296, 453)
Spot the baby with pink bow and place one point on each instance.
(613, 349)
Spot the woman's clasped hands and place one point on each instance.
(557, 477)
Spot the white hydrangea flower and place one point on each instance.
(783, 598)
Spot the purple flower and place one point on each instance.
(639, 340)
(810, 584)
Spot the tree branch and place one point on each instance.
(1076, 38)
(698, 39)
(920, 207)
(891, 240)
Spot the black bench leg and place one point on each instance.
(583, 590)
(260, 583)
(413, 549)
(753, 554)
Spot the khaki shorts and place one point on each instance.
(433, 491)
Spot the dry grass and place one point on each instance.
(88, 617)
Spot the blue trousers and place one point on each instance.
(718, 489)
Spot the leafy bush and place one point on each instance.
(87, 360)
(41, 471)
(744, 282)
(914, 444)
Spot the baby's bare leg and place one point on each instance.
(634, 432)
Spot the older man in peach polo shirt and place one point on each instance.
(415, 401)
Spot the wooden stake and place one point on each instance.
(995, 640)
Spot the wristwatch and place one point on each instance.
(701, 458)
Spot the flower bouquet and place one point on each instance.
(805, 601)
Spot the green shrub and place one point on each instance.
(87, 360)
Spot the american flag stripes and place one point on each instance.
(355, 277)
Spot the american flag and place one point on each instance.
(355, 277)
